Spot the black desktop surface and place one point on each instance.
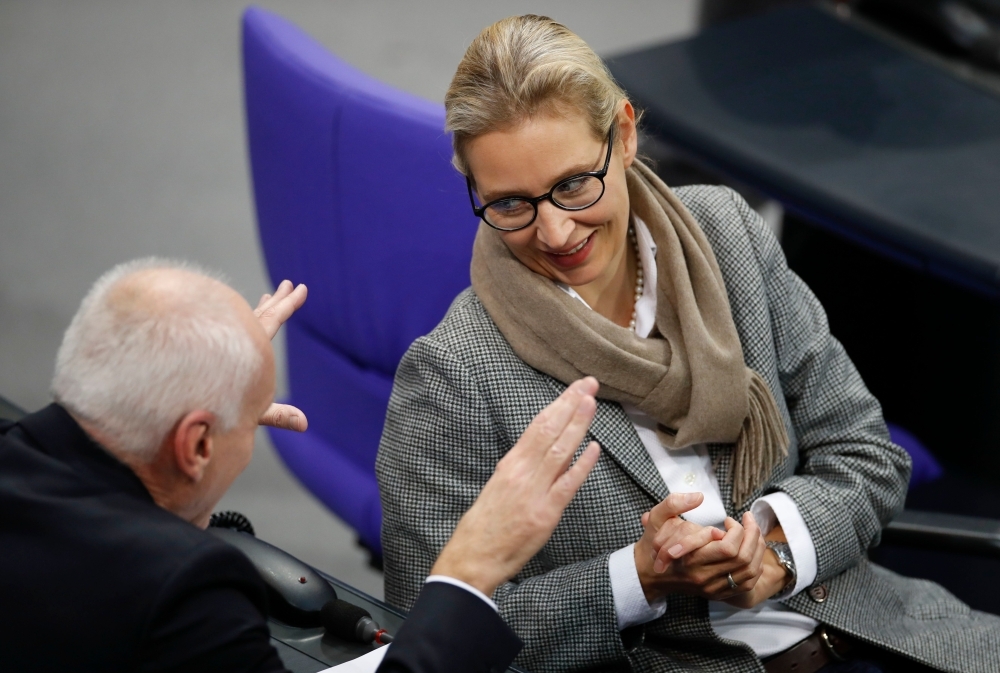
(846, 128)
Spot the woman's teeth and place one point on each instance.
(576, 249)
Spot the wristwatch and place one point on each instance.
(785, 559)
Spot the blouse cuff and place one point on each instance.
(631, 606)
(779, 509)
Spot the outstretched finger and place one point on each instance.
(284, 416)
(280, 308)
(269, 299)
(546, 428)
(674, 504)
(557, 459)
(572, 479)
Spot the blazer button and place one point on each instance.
(818, 592)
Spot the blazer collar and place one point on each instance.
(58, 435)
(613, 430)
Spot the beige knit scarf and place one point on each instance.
(689, 375)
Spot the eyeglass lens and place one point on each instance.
(576, 193)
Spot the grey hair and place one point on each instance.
(521, 66)
(134, 367)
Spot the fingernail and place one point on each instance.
(659, 566)
(690, 497)
(676, 550)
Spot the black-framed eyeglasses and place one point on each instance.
(577, 192)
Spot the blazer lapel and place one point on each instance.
(613, 430)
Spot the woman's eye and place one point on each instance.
(508, 206)
(572, 185)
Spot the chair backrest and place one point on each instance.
(355, 195)
(356, 198)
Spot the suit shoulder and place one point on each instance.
(737, 233)
(467, 332)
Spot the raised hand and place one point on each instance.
(272, 311)
(521, 504)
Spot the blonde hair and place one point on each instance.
(519, 67)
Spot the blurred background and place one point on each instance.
(122, 135)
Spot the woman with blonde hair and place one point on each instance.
(719, 378)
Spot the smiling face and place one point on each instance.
(585, 249)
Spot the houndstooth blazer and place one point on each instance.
(462, 397)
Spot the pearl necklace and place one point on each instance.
(638, 277)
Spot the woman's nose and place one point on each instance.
(554, 225)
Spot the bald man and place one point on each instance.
(161, 380)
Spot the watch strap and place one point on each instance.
(784, 554)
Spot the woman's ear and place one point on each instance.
(192, 444)
(627, 132)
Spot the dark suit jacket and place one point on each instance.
(94, 576)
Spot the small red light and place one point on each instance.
(302, 580)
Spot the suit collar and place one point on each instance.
(58, 435)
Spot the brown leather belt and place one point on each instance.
(821, 648)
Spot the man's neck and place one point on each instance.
(150, 473)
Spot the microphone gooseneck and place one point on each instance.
(351, 622)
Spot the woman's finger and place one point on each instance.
(674, 505)
(720, 551)
(671, 532)
(687, 543)
(751, 541)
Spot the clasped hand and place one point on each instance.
(678, 556)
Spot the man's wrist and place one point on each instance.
(472, 573)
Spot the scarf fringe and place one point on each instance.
(762, 444)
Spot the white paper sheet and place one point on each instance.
(366, 663)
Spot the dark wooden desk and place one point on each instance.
(856, 133)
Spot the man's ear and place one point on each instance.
(627, 132)
(192, 443)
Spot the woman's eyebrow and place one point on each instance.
(577, 169)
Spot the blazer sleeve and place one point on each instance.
(451, 629)
(439, 447)
(851, 479)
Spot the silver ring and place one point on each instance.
(732, 583)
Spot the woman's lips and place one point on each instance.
(574, 258)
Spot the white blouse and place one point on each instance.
(770, 627)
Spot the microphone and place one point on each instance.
(350, 622)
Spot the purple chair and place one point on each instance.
(356, 197)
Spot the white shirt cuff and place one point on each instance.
(631, 607)
(779, 508)
(462, 585)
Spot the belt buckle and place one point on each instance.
(828, 644)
